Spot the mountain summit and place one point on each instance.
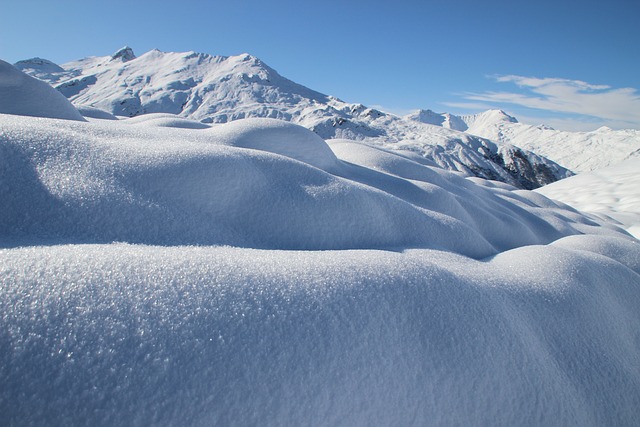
(125, 54)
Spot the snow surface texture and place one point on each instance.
(138, 335)
(218, 89)
(577, 151)
(492, 308)
(95, 113)
(150, 180)
(24, 95)
(612, 192)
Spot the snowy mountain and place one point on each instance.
(577, 151)
(162, 271)
(471, 122)
(217, 89)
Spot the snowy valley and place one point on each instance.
(188, 239)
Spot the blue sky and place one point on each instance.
(571, 64)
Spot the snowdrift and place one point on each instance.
(256, 183)
(26, 96)
(253, 274)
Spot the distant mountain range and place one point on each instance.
(217, 89)
(578, 151)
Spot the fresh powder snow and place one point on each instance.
(158, 270)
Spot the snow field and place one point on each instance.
(226, 185)
(140, 335)
(149, 277)
(609, 192)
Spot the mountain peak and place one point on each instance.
(125, 54)
(40, 64)
(427, 116)
(498, 116)
(444, 120)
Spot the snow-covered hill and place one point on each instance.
(216, 89)
(161, 271)
(577, 151)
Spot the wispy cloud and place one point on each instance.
(575, 97)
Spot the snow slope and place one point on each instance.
(151, 275)
(24, 95)
(217, 89)
(612, 192)
(576, 151)
(471, 123)
(152, 179)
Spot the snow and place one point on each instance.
(95, 113)
(577, 151)
(140, 335)
(24, 95)
(218, 89)
(258, 181)
(125, 54)
(277, 136)
(250, 273)
(181, 270)
(612, 192)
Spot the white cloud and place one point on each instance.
(601, 102)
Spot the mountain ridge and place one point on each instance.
(577, 151)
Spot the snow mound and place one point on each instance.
(254, 183)
(94, 113)
(166, 120)
(140, 335)
(147, 278)
(280, 137)
(24, 95)
(612, 192)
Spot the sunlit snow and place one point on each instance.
(161, 271)
(220, 89)
(612, 192)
